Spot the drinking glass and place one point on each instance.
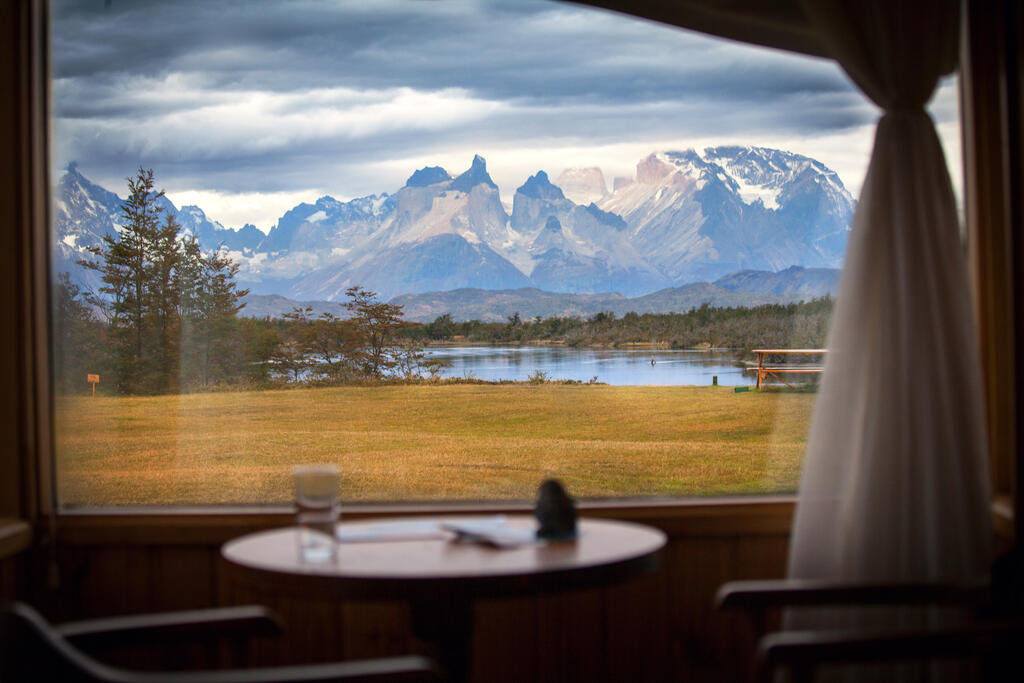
(316, 511)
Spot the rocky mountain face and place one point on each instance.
(685, 217)
(437, 232)
(700, 216)
(573, 248)
(212, 233)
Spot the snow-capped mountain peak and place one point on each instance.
(685, 216)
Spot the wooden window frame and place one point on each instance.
(991, 126)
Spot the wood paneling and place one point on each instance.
(10, 575)
(510, 627)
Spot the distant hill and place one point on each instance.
(688, 297)
(744, 288)
(491, 306)
(796, 282)
(275, 306)
(496, 306)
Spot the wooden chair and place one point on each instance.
(31, 649)
(992, 635)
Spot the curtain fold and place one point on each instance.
(895, 477)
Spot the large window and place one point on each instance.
(452, 247)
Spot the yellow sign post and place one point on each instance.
(94, 379)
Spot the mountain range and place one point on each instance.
(744, 288)
(685, 217)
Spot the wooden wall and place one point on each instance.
(10, 578)
(659, 628)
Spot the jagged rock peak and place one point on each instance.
(658, 167)
(539, 187)
(327, 202)
(552, 225)
(475, 175)
(428, 175)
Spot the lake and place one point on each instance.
(611, 366)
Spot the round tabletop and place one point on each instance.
(604, 552)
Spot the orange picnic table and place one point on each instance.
(764, 370)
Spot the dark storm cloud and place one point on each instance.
(259, 96)
(541, 51)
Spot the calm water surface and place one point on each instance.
(611, 366)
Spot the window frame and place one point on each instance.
(27, 472)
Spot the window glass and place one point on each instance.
(454, 248)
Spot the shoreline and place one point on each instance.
(626, 346)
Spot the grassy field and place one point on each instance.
(455, 442)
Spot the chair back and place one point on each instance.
(31, 650)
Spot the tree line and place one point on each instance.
(794, 325)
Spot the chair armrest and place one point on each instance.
(761, 595)
(195, 625)
(407, 669)
(15, 536)
(802, 651)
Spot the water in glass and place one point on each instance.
(316, 503)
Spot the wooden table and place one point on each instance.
(442, 579)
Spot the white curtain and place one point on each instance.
(895, 477)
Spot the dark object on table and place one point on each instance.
(555, 511)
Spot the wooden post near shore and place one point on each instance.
(94, 380)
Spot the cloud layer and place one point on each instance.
(250, 100)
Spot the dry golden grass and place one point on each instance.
(454, 442)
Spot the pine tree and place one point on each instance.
(163, 294)
(218, 310)
(126, 271)
(208, 306)
(189, 286)
(171, 310)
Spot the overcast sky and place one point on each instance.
(247, 108)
